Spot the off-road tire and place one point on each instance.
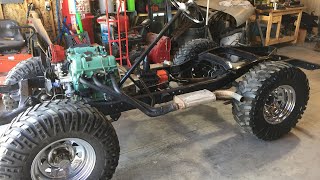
(25, 69)
(187, 55)
(51, 121)
(134, 54)
(192, 49)
(256, 85)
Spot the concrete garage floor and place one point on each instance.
(206, 143)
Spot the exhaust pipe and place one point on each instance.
(179, 102)
(229, 95)
(117, 93)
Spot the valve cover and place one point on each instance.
(86, 61)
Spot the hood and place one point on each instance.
(241, 10)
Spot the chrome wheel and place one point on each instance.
(69, 158)
(280, 104)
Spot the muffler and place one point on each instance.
(204, 96)
(194, 98)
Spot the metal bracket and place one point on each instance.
(26, 87)
(4, 89)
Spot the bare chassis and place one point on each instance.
(123, 102)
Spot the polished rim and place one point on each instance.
(280, 104)
(69, 158)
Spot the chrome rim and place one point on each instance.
(280, 104)
(69, 158)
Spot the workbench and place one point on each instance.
(270, 17)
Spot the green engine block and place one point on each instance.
(87, 61)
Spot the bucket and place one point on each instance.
(104, 33)
(120, 5)
(104, 29)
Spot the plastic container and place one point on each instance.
(120, 4)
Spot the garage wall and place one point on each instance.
(312, 5)
(18, 13)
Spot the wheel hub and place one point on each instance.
(69, 158)
(61, 155)
(279, 104)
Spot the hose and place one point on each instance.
(117, 89)
(115, 84)
(152, 111)
(95, 87)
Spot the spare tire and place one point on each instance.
(192, 49)
(188, 54)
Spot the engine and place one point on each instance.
(84, 62)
